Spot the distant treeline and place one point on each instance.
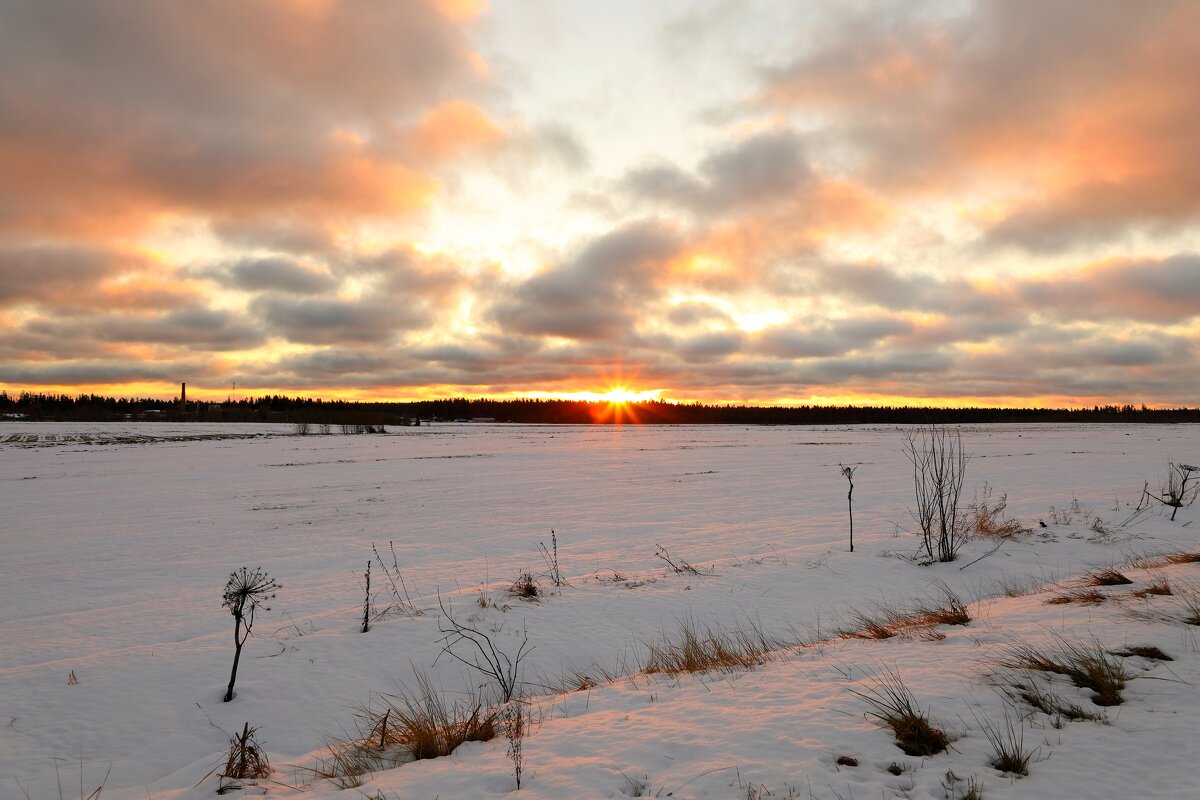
(276, 408)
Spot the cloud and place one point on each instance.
(333, 321)
(762, 168)
(279, 274)
(50, 273)
(190, 328)
(228, 110)
(1164, 291)
(597, 293)
(1073, 114)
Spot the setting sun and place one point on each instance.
(619, 394)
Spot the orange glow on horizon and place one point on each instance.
(613, 403)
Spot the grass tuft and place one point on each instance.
(1182, 558)
(846, 761)
(1160, 586)
(696, 649)
(1008, 744)
(1086, 665)
(893, 704)
(246, 760)
(885, 621)
(426, 725)
(1048, 702)
(413, 726)
(1108, 577)
(1080, 596)
(525, 587)
(985, 517)
(1150, 652)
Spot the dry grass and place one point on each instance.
(412, 726)
(1022, 585)
(1189, 608)
(1086, 664)
(427, 725)
(882, 624)
(985, 517)
(246, 760)
(696, 649)
(1182, 558)
(1150, 652)
(885, 621)
(1008, 744)
(1160, 587)
(1108, 577)
(1046, 701)
(580, 680)
(525, 587)
(893, 704)
(1079, 596)
(846, 761)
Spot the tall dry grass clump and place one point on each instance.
(693, 648)
(893, 703)
(410, 726)
(1087, 665)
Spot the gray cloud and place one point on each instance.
(279, 274)
(598, 293)
(312, 321)
(763, 168)
(51, 273)
(195, 328)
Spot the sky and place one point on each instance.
(950, 203)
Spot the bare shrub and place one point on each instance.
(1179, 488)
(893, 704)
(1087, 665)
(483, 655)
(939, 469)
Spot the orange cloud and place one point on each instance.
(453, 128)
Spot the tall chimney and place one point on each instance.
(183, 396)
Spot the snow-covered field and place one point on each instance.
(116, 541)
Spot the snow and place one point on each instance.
(116, 540)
